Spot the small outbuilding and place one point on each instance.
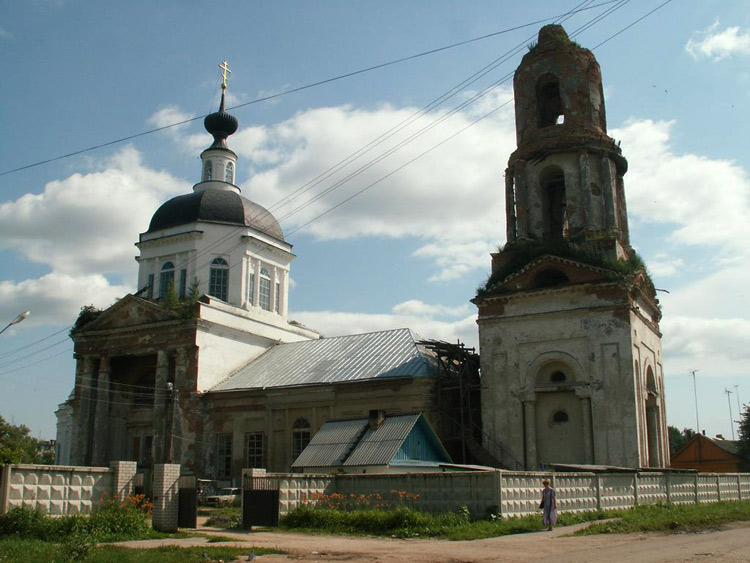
(708, 455)
(377, 444)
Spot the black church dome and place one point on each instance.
(215, 206)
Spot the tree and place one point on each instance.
(17, 446)
(743, 446)
(678, 438)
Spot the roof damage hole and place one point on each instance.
(549, 102)
(550, 278)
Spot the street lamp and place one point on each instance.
(17, 320)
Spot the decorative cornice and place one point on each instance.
(168, 239)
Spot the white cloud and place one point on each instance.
(715, 44)
(663, 265)
(451, 198)
(168, 117)
(87, 223)
(5, 34)
(334, 323)
(706, 201)
(415, 307)
(56, 298)
(705, 340)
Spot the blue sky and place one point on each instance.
(411, 250)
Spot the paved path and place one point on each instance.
(729, 545)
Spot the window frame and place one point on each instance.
(255, 453)
(224, 456)
(301, 436)
(264, 290)
(166, 278)
(218, 279)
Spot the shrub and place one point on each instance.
(126, 518)
(110, 519)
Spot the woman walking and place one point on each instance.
(548, 506)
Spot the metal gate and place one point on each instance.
(143, 483)
(260, 501)
(187, 508)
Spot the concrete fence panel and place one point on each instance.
(744, 479)
(707, 487)
(728, 487)
(576, 492)
(617, 490)
(300, 489)
(682, 488)
(652, 488)
(521, 492)
(60, 490)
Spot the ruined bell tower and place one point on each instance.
(569, 319)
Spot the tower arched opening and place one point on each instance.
(554, 202)
(652, 418)
(549, 102)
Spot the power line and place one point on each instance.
(598, 18)
(301, 88)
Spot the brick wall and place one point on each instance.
(166, 497)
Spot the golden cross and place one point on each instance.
(225, 67)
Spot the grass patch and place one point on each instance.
(404, 522)
(225, 517)
(673, 518)
(20, 550)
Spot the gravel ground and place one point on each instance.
(729, 544)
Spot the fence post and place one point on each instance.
(166, 497)
(718, 487)
(636, 487)
(124, 478)
(499, 488)
(4, 488)
(739, 487)
(598, 491)
(668, 483)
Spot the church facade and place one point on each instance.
(202, 366)
(569, 319)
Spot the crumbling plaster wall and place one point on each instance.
(273, 412)
(591, 335)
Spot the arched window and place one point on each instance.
(166, 279)
(300, 436)
(229, 173)
(207, 171)
(560, 416)
(549, 102)
(264, 290)
(557, 377)
(218, 283)
(552, 183)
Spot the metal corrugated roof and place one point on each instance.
(357, 357)
(332, 443)
(364, 446)
(378, 446)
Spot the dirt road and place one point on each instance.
(727, 545)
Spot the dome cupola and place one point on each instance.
(219, 162)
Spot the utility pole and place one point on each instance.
(737, 396)
(731, 418)
(695, 392)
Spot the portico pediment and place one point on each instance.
(549, 272)
(130, 311)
